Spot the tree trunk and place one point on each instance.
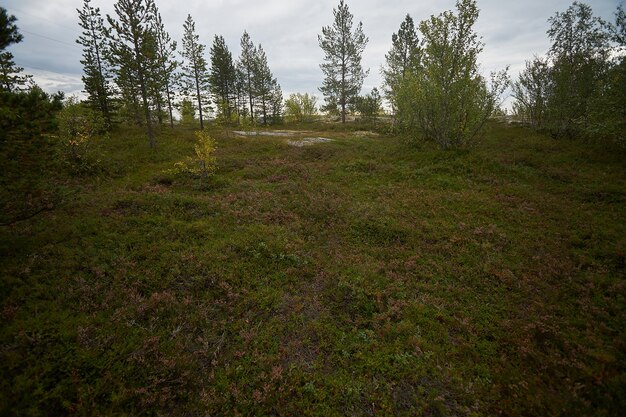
(198, 97)
(169, 103)
(144, 93)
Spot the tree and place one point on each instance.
(532, 91)
(222, 77)
(167, 65)
(447, 97)
(130, 48)
(579, 55)
(27, 114)
(247, 68)
(266, 88)
(403, 57)
(342, 69)
(187, 112)
(96, 73)
(195, 75)
(10, 78)
(300, 107)
(607, 107)
(369, 106)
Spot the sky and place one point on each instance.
(512, 31)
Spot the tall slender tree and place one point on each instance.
(222, 77)
(403, 57)
(247, 66)
(266, 88)
(195, 75)
(165, 49)
(96, 75)
(342, 69)
(131, 34)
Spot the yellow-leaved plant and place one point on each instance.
(203, 162)
(205, 148)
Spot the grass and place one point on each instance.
(365, 276)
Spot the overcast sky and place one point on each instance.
(512, 30)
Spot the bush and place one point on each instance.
(78, 124)
(369, 106)
(300, 107)
(204, 162)
(25, 115)
(446, 97)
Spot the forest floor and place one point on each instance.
(362, 276)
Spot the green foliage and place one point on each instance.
(78, 126)
(97, 73)
(247, 67)
(195, 75)
(225, 117)
(267, 92)
(369, 106)
(25, 115)
(343, 48)
(10, 74)
(579, 54)
(402, 58)
(9, 33)
(133, 49)
(352, 277)
(204, 162)
(187, 113)
(222, 77)
(531, 92)
(301, 107)
(446, 97)
(165, 68)
(578, 90)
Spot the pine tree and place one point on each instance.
(247, 62)
(266, 88)
(96, 73)
(342, 67)
(164, 67)
(130, 48)
(401, 58)
(222, 77)
(195, 75)
(241, 92)
(10, 77)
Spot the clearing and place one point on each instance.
(361, 276)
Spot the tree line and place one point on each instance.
(578, 89)
(134, 72)
(133, 68)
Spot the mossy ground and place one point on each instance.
(364, 276)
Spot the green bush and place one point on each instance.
(78, 125)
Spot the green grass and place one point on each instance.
(366, 276)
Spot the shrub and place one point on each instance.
(204, 162)
(78, 124)
(369, 106)
(300, 107)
